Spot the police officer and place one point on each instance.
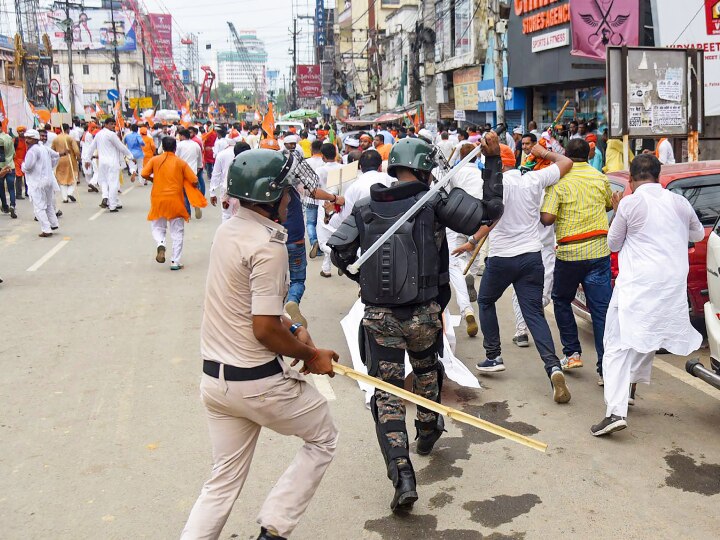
(246, 383)
(405, 287)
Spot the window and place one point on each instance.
(86, 69)
(463, 32)
(56, 69)
(703, 193)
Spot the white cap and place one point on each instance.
(291, 139)
(518, 131)
(352, 141)
(425, 133)
(32, 134)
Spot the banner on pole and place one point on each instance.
(309, 81)
(598, 24)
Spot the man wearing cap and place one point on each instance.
(38, 169)
(291, 142)
(515, 259)
(18, 158)
(350, 144)
(246, 384)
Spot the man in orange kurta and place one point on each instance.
(149, 150)
(170, 175)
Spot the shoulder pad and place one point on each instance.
(277, 235)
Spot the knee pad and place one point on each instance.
(374, 353)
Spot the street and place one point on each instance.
(104, 434)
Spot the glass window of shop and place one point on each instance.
(586, 103)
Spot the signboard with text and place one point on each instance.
(309, 81)
(161, 26)
(465, 83)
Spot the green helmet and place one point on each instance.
(412, 153)
(259, 176)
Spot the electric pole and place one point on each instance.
(498, 31)
(294, 34)
(116, 56)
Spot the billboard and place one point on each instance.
(678, 26)
(92, 29)
(161, 30)
(599, 24)
(309, 81)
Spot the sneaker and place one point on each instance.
(609, 424)
(160, 256)
(198, 212)
(561, 392)
(631, 399)
(103, 203)
(13, 215)
(522, 340)
(325, 274)
(177, 266)
(471, 324)
(470, 283)
(571, 362)
(314, 250)
(601, 381)
(491, 366)
(293, 310)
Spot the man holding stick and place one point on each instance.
(515, 259)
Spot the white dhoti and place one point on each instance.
(66, 191)
(43, 200)
(177, 233)
(457, 280)
(109, 180)
(548, 256)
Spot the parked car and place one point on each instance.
(712, 314)
(699, 183)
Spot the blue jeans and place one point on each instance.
(9, 180)
(201, 181)
(594, 275)
(298, 266)
(209, 169)
(311, 213)
(526, 274)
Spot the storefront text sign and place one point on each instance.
(539, 15)
(465, 88)
(485, 96)
(551, 40)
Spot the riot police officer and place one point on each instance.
(405, 287)
(246, 383)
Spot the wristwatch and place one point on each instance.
(295, 327)
(472, 240)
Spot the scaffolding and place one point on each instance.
(191, 62)
(33, 54)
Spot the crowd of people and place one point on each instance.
(536, 202)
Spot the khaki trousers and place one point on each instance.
(237, 410)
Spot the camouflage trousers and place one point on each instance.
(416, 334)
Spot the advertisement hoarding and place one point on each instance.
(92, 29)
(161, 29)
(465, 87)
(309, 81)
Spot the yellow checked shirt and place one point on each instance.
(580, 201)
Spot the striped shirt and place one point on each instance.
(580, 201)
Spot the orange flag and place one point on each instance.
(136, 116)
(119, 116)
(98, 109)
(185, 116)
(268, 123)
(3, 117)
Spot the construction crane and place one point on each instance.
(33, 53)
(204, 98)
(259, 87)
(161, 59)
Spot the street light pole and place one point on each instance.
(498, 24)
(69, 41)
(116, 56)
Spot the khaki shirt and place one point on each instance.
(248, 275)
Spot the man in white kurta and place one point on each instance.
(648, 310)
(111, 152)
(38, 168)
(218, 180)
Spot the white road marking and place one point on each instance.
(685, 377)
(102, 210)
(322, 383)
(45, 258)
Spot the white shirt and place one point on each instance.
(446, 147)
(221, 143)
(665, 153)
(109, 148)
(51, 136)
(253, 141)
(468, 178)
(77, 133)
(315, 162)
(189, 151)
(360, 189)
(220, 170)
(517, 231)
(651, 230)
(38, 167)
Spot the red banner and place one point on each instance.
(161, 28)
(597, 24)
(309, 81)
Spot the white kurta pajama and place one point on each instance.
(648, 309)
(41, 184)
(111, 153)
(218, 182)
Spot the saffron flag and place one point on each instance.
(3, 118)
(119, 120)
(185, 115)
(597, 24)
(98, 110)
(136, 116)
(268, 123)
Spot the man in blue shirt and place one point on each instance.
(135, 144)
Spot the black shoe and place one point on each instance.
(403, 478)
(54, 228)
(5, 210)
(65, 200)
(58, 213)
(103, 204)
(428, 434)
(119, 207)
(12, 212)
(609, 424)
(267, 535)
(114, 210)
(73, 199)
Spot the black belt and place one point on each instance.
(233, 373)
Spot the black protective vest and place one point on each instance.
(411, 267)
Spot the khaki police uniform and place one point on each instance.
(248, 275)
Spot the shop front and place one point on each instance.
(515, 104)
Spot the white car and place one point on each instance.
(712, 314)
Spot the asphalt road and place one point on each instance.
(103, 434)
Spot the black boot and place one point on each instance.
(403, 478)
(428, 434)
(267, 535)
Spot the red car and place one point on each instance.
(699, 183)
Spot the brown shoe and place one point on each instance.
(325, 274)
(160, 257)
(93, 189)
(104, 203)
(45, 234)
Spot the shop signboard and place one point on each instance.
(597, 24)
(161, 27)
(550, 40)
(654, 92)
(309, 81)
(678, 26)
(141, 103)
(465, 87)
